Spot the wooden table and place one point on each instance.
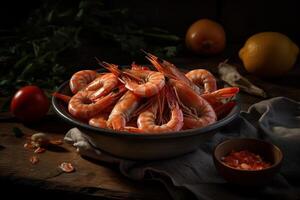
(93, 179)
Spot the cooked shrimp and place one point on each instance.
(82, 107)
(63, 97)
(223, 109)
(197, 111)
(99, 120)
(135, 66)
(203, 78)
(215, 98)
(81, 79)
(170, 71)
(102, 85)
(154, 82)
(144, 83)
(121, 112)
(147, 119)
(132, 129)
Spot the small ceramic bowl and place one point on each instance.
(269, 152)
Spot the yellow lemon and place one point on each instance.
(269, 54)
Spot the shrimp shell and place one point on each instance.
(198, 112)
(154, 82)
(99, 121)
(121, 112)
(204, 78)
(146, 121)
(171, 71)
(82, 107)
(81, 79)
(102, 85)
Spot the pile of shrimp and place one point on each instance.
(141, 100)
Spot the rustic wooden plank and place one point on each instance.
(90, 178)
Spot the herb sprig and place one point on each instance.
(31, 53)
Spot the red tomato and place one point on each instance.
(29, 104)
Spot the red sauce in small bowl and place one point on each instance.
(245, 160)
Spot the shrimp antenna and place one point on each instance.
(145, 52)
(110, 67)
(148, 55)
(153, 57)
(103, 64)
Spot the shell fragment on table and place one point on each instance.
(230, 75)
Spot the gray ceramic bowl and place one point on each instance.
(266, 150)
(142, 146)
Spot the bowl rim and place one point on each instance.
(274, 165)
(109, 132)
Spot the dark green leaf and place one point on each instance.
(79, 14)
(27, 71)
(4, 82)
(35, 49)
(50, 15)
(170, 51)
(21, 62)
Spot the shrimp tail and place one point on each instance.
(64, 98)
(224, 109)
(118, 123)
(226, 92)
(219, 95)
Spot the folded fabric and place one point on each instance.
(276, 120)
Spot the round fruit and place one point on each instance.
(269, 54)
(205, 37)
(29, 104)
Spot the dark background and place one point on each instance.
(240, 19)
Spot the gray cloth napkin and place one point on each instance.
(276, 120)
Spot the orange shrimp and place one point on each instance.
(132, 129)
(144, 83)
(63, 97)
(81, 79)
(135, 66)
(121, 112)
(99, 120)
(223, 109)
(215, 98)
(154, 82)
(197, 111)
(102, 85)
(147, 119)
(204, 78)
(82, 107)
(171, 71)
